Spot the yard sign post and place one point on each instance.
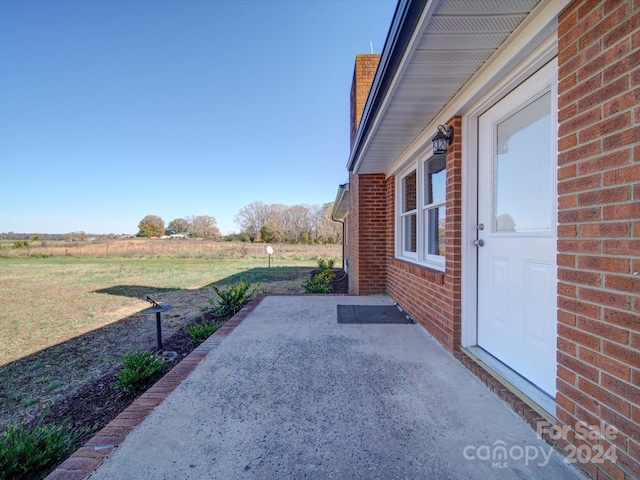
(270, 252)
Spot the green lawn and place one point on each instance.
(48, 300)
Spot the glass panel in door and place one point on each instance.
(523, 199)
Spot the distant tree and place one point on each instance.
(204, 226)
(39, 238)
(179, 225)
(151, 226)
(294, 224)
(75, 236)
(297, 222)
(251, 218)
(267, 234)
(329, 230)
(232, 237)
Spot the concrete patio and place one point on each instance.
(290, 393)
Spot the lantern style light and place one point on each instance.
(442, 139)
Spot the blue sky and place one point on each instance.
(113, 110)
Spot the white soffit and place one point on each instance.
(458, 38)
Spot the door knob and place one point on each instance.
(478, 243)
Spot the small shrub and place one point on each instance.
(140, 367)
(320, 283)
(232, 297)
(21, 243)
(264, 291)
(325, 264)
(199, 332)
(32, 454)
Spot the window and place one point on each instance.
(409, 213)
(422, 212)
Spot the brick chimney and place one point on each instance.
(363, 73)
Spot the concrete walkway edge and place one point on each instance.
(84, 461)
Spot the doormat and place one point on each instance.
(365, 314)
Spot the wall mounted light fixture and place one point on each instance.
(442, 139)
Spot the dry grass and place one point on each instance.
(182, 248)
(66, 320)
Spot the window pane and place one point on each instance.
(435, 231)
(409, 192)
(409, 233)
(435, 180)
(523, 198)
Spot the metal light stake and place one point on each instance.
(157, 309)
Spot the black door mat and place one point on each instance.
(382, 314)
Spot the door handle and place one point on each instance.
(478, 243)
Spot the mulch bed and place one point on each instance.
(341, 283)
(98, 402)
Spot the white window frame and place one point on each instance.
(402, 216)
(421, 256)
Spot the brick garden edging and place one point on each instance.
(84, 461)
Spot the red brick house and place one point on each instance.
(519, 248)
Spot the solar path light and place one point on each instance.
(157, 309)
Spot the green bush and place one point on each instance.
(140, 367)
(21, 243)
(34, 453)
(320, 283)
(232, 297)
(325, 264)
(199, 332)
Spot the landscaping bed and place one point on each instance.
(99, 401)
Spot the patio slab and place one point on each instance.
(290, 393)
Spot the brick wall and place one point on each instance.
(363, 73)
(599, 227)
(431, 297)
(367, 228)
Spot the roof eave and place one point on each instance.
(405, 20)
(341, 204)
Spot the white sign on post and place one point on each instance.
(270, 252)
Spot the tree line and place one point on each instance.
(277, 223)
(258, 222)
(196, 226)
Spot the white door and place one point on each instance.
(517, 231)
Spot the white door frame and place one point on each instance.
(541, 56)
